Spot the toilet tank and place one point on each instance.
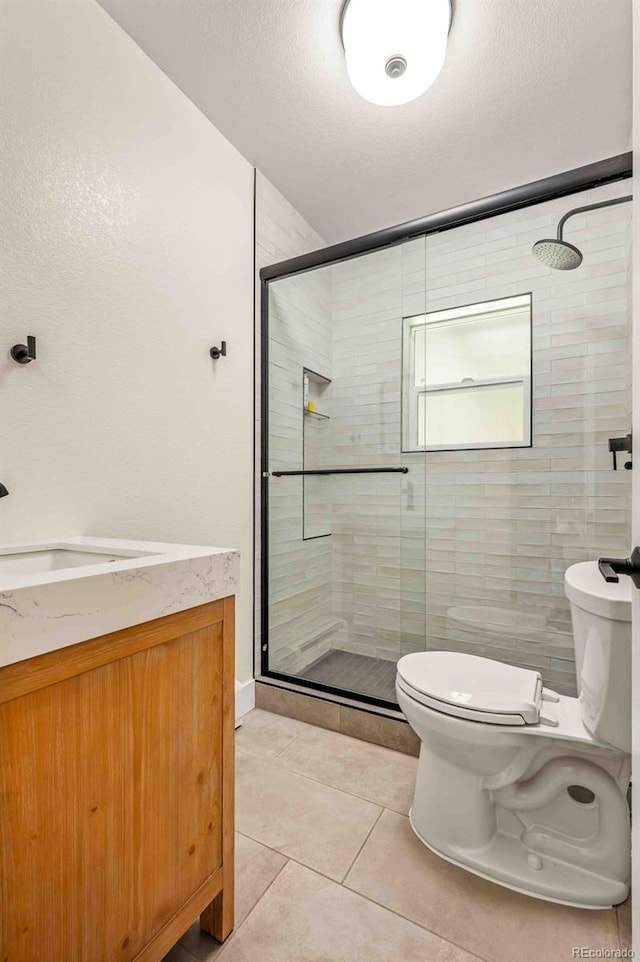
(601, 619)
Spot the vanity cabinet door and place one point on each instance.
(111, 793)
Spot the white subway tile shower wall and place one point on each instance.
(379, 521)
(501, 526)
(468, 550)
(281, 232)
(300, 571)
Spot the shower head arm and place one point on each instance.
(582, 210)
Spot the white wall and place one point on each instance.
(128, 253)
(635, 678)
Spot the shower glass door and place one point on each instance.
(345, 511)
(526, 374)
(436, 447)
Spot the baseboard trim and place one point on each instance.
(245, 698)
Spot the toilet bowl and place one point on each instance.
(519, 784)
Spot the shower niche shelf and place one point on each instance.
(316, 414)
(315, 392)
(316, 520)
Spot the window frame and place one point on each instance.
(410, 393)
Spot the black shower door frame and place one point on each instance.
(573, 181)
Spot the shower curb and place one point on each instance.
(376, 725)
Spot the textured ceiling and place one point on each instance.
(529, 88)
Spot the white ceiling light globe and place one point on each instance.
(394, 49)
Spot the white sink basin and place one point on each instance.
(24, 565)
(52, 559)
(59, 593)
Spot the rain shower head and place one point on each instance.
(559, 254)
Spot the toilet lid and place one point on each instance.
(479, 689)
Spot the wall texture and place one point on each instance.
(635, 681)
(127, 232)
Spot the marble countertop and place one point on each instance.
(49, 610)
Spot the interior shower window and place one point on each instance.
(467, 377)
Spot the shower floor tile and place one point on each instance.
(360, 673)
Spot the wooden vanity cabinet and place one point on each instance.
(116, 792)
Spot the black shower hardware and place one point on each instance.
(621, 444)
(217, 352)
(610, 568)
(24, 353)
(325, 471)
(3, 490)
(559, 254)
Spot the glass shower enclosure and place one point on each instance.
(435, 423)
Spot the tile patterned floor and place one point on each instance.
(328, 869)
(375, 677)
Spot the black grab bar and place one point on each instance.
(291, 474)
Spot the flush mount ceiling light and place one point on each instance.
(394, 49)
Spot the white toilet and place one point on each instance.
(518, 784)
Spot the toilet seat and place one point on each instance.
(471, 687)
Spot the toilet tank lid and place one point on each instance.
(585, 587)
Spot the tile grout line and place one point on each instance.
(351, 738)
(405, 918)
(309, 868)
(252, 910)
(294, 738)
(235, 931)
(315, 781)
(366, 839)
(354, 891)
(387, 908)
(318, 781)
(278, 754)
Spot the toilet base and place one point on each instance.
(505, 861)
